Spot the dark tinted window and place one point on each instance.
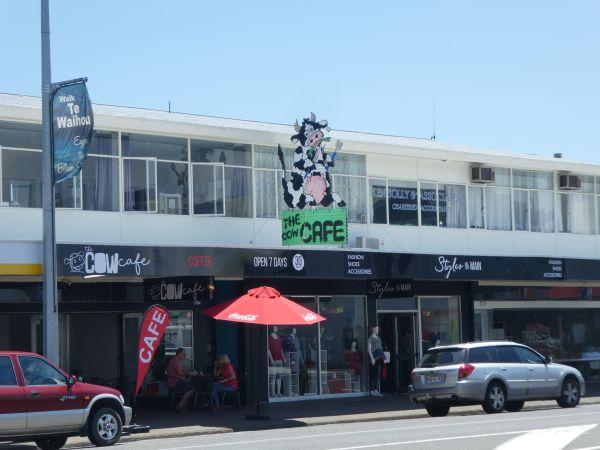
(443, 357)
(527, 356)
(7, 374)
(483, 355)
(508, 354)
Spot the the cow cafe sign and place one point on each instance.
(317, 214)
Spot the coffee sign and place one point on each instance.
(314, 227)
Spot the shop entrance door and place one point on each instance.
(398, 333)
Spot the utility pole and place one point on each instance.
(50, 316)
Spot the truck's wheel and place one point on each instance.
(105, 427)
(51, 443)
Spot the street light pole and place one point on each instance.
(50, 315)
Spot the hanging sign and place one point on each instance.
(72, 126)
(314, 227)
(308, 188)
(155, 322)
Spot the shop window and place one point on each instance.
(452, 206)
(476, 215)
(497, 209)
(159, 147)
(350, 164)
(21, 135)
(179, 334)
(238, 192)
(100, 184)
(402, 203)
(542, 211)
(21, 178)
(267, 193)
(293, 358)
(353, 191)
(429, 208)
(567, 335)
(521, 210)
(378, 196)
(208, 188)
(266, 157)
(576, 213)
(440, 321)
(67, 193)
(139, 185)
(343, 357)
(532, 179)
(155, 186)
(236, 160)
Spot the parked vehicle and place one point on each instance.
(498, 375)
(41, 403)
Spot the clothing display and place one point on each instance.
(275, 347)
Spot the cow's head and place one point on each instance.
(310, 132)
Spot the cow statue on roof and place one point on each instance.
(310, 183)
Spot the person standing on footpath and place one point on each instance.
(376, 355)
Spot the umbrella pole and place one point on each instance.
(257, 415)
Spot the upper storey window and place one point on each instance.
(222, 178)
(155, 173)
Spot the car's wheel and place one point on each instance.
(495, 398)
(515, 406)
(438, 409)
(105, 427)
(570, 393)
(51, 443)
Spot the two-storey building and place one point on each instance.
(446, 243)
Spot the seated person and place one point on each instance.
(225, 380)
(178, 380)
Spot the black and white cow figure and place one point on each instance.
(310, 183)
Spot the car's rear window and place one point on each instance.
(443, 357)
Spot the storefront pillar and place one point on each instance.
(255, 359)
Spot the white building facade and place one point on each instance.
(473, 244)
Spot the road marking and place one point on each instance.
(548, 439)
(424, 441)
(380, 430)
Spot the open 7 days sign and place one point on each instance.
(314, 227)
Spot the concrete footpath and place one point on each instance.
(167, 424)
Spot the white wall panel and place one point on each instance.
(20, 224)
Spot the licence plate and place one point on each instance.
(435, 379)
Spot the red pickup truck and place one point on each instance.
(41, 403)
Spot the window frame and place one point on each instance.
(45, 362)
(2, 149)
(192, 191)
(147, 160)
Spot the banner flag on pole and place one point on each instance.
(72, 126)
(155, 323)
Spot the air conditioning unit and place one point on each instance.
(482, 174)
(569, 182)
(367, 242)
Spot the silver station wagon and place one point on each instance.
(498, 375)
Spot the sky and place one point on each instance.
(520, 76)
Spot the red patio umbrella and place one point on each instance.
(263, 306)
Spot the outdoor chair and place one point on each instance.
(235, 396)
(174, 396)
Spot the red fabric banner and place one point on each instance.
(154, 325)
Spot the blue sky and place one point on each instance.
(515, 75)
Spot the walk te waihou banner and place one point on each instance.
(317, 214)
(72, 126)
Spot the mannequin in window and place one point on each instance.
(291, 346)
(353, 358)
(375, 351)
(276, 362)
